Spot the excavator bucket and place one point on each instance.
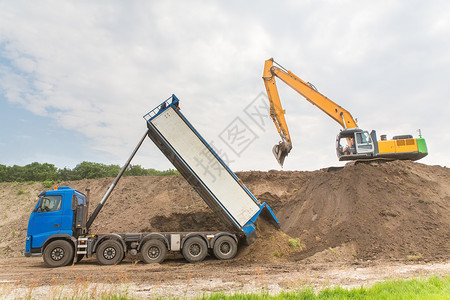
(280, 151)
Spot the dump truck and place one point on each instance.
(59, 227)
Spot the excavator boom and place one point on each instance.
(307, 90)
(282, 149)
(360, 144)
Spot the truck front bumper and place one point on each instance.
(28, 246)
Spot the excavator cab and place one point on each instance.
(358, 144)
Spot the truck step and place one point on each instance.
(82, 245)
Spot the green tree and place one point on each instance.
(3, 173)
(112, 170)
(38, 172)
(135, 170)
(65, 174)
(14, 173)
(91, 170)
(48, 172)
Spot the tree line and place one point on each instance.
(85, 170)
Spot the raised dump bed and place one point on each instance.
(202, 167)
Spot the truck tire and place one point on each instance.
(225, 247)
(153, 251)
(58, 253)
(195, 249)
(110, 252)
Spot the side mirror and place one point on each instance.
(74, 202)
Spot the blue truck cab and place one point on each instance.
(54, 217)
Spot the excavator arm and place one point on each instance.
(307, 90)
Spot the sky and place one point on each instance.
(76, 77)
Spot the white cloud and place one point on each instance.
(97, 67)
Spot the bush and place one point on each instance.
(48, 184)
(31, 172)
(92, 170)
(49, 174)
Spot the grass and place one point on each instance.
(79, 290)
(295, 243)
(278, 254)
(48, 184)
(418, 288)
(414, 257)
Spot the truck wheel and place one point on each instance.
(58, 253)
(110, 252)
(153, 251)
(195, 249)
(225, 247)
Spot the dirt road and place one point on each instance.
(20, 277)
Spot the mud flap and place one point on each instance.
(249, 238)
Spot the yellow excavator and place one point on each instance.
(352, 143)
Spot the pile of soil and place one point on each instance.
(392, 210)
(388, 210)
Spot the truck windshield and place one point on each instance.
(50, 203)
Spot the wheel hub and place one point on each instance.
(109, 253)
(195, 250)
(153, 252)
(57, 254)
(225, 248)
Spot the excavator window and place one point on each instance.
(362, 138)
(351, 143)
(346, 146)
(364, 143)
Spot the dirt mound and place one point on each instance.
(395, 210)
(388, 210)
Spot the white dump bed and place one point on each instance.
(219, 182)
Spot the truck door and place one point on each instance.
(46, 219)
(364, 143)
